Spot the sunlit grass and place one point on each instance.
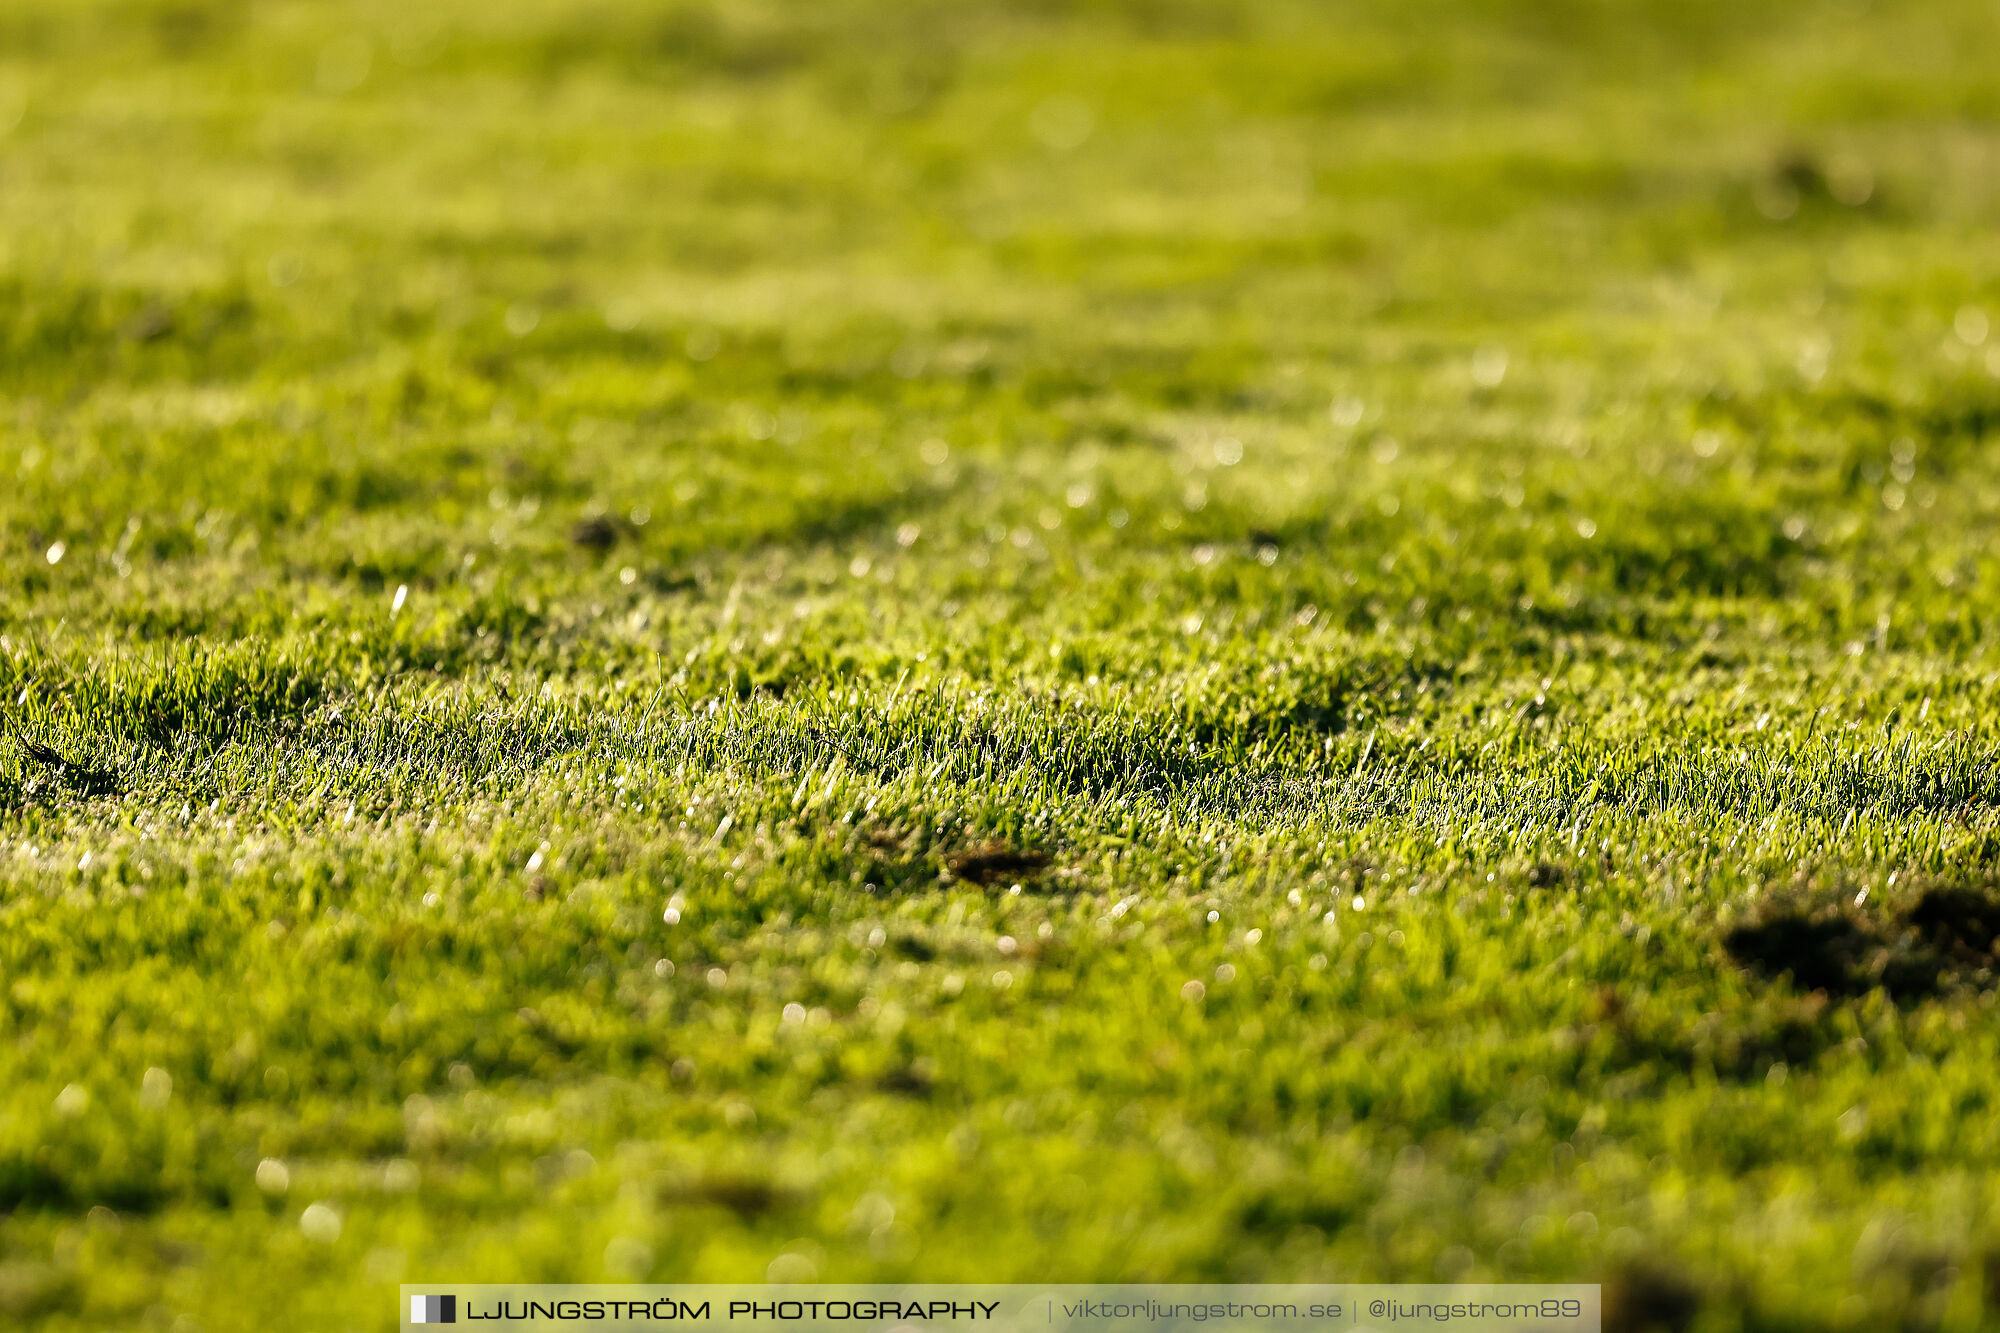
(1153, 641)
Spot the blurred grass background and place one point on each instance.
(563, 561)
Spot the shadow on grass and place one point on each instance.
(1941, 940)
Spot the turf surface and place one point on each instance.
(1015, 641)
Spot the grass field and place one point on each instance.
(1038, 641)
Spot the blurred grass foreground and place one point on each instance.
(1043, 641)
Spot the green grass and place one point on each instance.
(1053, 641)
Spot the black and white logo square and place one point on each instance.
(434, 1309)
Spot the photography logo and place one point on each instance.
(434, 1309)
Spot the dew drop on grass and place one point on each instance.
(273, 1177)
(156, 1088)
(522, 320)
(873, 1212)
(1489, 367)
(321, 1222)
(792, 1268)
(1062, 123)
(1193, 991)
(73, 1100)
(57, 551)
